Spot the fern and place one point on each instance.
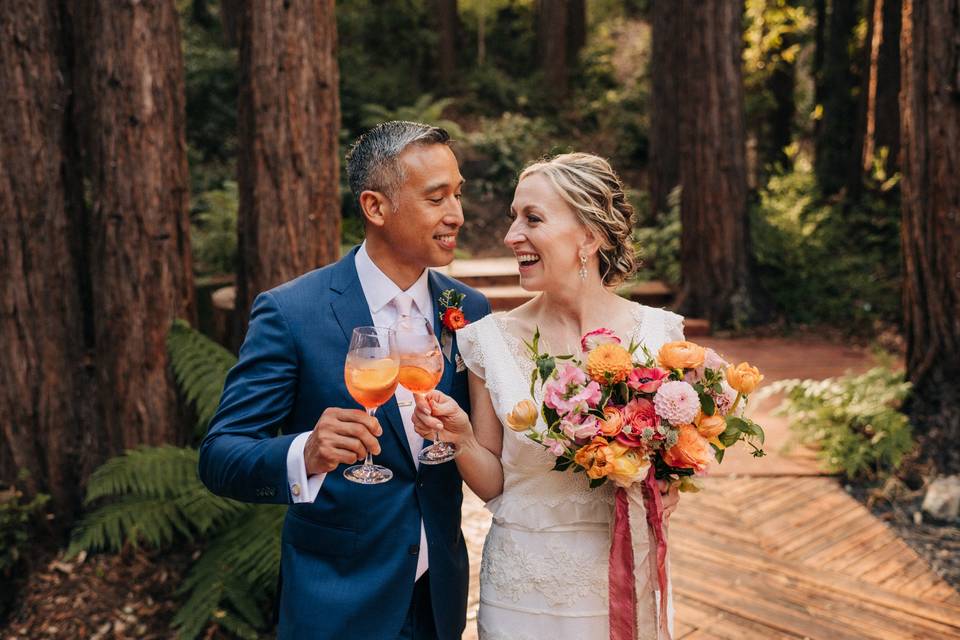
(425, 109)
(200, 367)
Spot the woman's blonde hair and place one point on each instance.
(589, 184)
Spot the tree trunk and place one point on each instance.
(837, 127)
(552, 41)
(576, 30)
(930, 138)
(880, 98)
(131, 83)
(666, 55)
(289, 113)
(43, 408)
(713, 172)
(449, 26)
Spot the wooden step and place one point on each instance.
(484, 272)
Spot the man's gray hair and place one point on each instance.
(372, 162)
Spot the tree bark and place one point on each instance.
(131, 83)
(576, 30)
(552, 41)
(43, 408)
(717, 284)
(449, 26)
(880, 119)
(289, 113)
(930, 139)
(837, 127)
(666, 55)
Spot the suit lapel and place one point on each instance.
(351, 310)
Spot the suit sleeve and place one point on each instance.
(242, 457)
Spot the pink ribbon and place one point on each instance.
(654, 508)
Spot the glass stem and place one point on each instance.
(369, 461)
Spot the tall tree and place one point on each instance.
(717, 282)
(576, 29)
(666, 55)
(552, 16)
(130, 86)
(836, 100)
(448, 21)
(43, 408)
(930, 139)
(289, 122)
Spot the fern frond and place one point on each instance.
(160, 472)
(200, 366)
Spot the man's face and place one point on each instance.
(426, 215)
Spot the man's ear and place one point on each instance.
(375, 206)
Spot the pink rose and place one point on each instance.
(638, 416)
(646, 379)
(595, 338)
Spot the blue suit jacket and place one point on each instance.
(349, 558)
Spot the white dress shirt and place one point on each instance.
(380, 291)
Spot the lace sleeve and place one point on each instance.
(673, 326)
(468, 341)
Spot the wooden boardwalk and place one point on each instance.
(785, 557)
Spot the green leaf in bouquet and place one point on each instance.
(731, 434)
(533, 380)
(550, 416)
(563, 463)
(707, 405)
(546, 365)
(604, 396)
(718, 452)
(649, 360)
(597, 482)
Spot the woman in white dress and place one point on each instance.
(544, 569)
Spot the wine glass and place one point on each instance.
(421, 367)
(371, 371)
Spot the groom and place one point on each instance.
(357, 561)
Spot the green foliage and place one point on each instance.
(829, 262)
(659, 244)
(17, 520)
(154, 496)
(507, 144)
(213, 231)
(200, 366)
(425, 109)
(855, 421)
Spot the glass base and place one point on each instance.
(367, 474)
(438, 453)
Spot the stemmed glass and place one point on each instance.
(371, 372)
(421, 367)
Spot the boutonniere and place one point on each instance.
(451, 317)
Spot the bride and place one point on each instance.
(544, 569)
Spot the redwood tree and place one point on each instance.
(665, 59)
(289, 122)
(552, 18)
(930, 139)
(130, 81)
(717, 283)
(448, 24)
(42, 402)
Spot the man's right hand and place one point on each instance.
(341, 436)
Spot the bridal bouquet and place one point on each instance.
(621, 414)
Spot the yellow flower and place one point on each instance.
(628, 464)
(523, 416)
(711, 426)
(743, 377)
(681, 355)
(609, 363)
(595, 458)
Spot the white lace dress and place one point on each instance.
(544, 569)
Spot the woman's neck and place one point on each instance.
(564, 316)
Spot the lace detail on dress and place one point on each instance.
(487, 634)
(673, 326)
(560, 574)
(468, 344)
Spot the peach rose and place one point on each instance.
(743, 377)
(692, 451)
(523, 416)
(595, 458)
(612, 422)
(628, 465)
(681, 355)
(609, 363)
(711, 426)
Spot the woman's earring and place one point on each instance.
(583, 267)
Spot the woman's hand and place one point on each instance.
(437, 414)
(670, 496)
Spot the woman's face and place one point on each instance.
(545, 236)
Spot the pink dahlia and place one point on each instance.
(677, 402)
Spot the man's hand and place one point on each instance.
(341, 436)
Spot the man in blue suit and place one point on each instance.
(358, 561)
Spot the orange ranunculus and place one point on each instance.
(595, 457)
(612, 422)
(692, 451)
(609, 363)
(681, 355)
(711, 426)
(629, 465)
(743, 377)
(523, 416)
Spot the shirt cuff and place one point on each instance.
(302, 487)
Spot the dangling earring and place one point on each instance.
(583, 267)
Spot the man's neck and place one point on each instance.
(402, 274)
